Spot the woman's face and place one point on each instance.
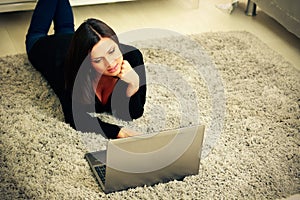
(106, 57)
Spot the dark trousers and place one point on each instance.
(46, 11)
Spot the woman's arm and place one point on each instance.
(80, 119)
(93, 124)
(129, 107)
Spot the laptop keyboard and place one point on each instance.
(101, 172)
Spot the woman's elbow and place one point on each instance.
(137, 114)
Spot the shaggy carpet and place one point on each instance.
(246, 94)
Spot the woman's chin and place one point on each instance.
(115, 73)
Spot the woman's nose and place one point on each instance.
(109, 60)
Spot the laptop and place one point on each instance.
(148, 159)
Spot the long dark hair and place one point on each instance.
(85, 37)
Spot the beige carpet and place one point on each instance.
(246, 94)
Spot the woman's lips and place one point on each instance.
(113, 69)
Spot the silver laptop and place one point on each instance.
(148, 159)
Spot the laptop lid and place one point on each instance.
(153, 158)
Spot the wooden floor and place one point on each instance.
(184, 17)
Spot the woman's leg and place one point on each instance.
(63, 18)
(45, 11)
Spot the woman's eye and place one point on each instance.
(112, 51)
(97, 60)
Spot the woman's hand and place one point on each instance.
(125, 132)
(128, 75)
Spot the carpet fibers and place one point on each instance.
(246, 94)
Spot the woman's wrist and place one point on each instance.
(132, 88)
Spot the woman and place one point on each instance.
(89, 70)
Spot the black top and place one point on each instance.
(48, 55)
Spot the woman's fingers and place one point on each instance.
(125, 132)
(127, 74)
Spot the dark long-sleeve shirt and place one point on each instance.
(48, 55)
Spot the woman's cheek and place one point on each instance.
(120, 58)
(100, 69)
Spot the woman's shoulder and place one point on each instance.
(128, 49)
